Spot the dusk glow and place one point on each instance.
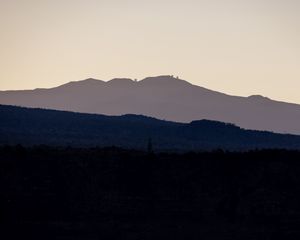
(238, 47)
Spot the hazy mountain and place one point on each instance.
(162, 97)
(35, 126)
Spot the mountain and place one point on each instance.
(59, 128)
(162, 97)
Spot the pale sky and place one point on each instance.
(239, 47)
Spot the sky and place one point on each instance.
(239, 47)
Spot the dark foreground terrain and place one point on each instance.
(111, 193)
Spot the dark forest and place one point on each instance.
(115, 193)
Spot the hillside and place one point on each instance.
(36, 126)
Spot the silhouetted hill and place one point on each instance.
(36, 126)
(162, 97)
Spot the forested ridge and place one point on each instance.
(58, 128)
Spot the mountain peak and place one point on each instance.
(164, 79)
(258, 97)
(88, 80)
(91, 79)
(85, 82)
(161, 78)
(118, 81)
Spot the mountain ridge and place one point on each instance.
(31, 127)
(162, 97)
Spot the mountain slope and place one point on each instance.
(162, 97)
(35, 126)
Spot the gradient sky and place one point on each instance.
(240, 47)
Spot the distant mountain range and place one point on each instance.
(59, 128)
(162, 97)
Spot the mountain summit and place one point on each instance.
(163, 97)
